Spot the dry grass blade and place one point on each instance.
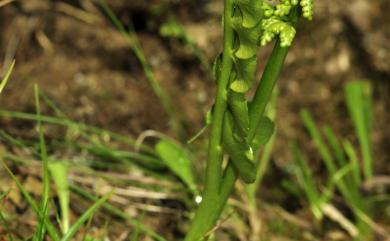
(78, 13)
(4, 81)
(217, 226)
(5, 2)
(334, 214)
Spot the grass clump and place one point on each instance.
(41, 210)
(347, 169)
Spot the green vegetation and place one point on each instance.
(242, 134)
(236, 124)
(343, 165)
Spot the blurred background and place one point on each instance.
(97, 72)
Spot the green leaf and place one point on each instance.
(264, 132)
(177, 161)
(251, 11)
(239, 86)
(248, 39)
(239, 109)
(246, 70)
(6, 77)
(240, 152)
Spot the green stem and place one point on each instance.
(214, 167)
(202, 221)
(256, 111)
(264, 90)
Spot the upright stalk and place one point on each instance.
(214, 168)
(203, 221)
(258, 104)
(237, 64)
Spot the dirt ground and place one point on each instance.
(87, 68)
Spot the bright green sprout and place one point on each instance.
(274, 26)
(253, 22)
(277, 21)
(283, 9)
(307, 9)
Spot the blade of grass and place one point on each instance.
(147, 161)
(334, 143)
(69, 123)
(86, 215)
(2, 218)
(118, 212)
(53, 106)
(148, 164)
(316, 136)
(40, 233)
(357, 95)
(16, 142)
(45, 171)
(8, 73)
(6, 226)
(62, 115)
(134, 44)
(327, 192)
(173, 29)
(338, 151)
(4, 194)
(334, 214)
(350, 150)
(87, 228)
(137, 231)
(306, 180)
(59, 173)
(31, 202)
